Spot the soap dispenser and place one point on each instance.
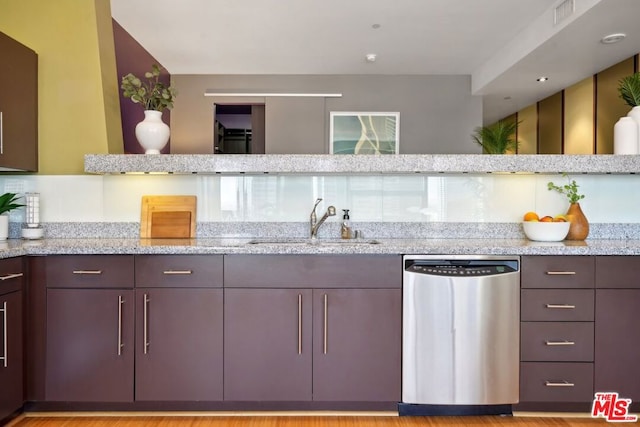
(345, 229)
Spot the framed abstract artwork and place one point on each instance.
(364, 133)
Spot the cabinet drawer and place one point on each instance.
(557, 272)
(11, 275)
(195, 271)
(556, 382)
(323, 271)
(89, 271)
(556, 341)
(561, 305)
(618, 272)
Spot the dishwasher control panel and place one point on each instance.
(460, 269)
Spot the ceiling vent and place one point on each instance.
(563, 11)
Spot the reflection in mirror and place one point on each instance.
(238, 129)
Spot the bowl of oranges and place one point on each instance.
(545, 228)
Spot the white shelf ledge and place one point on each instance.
(322, 164)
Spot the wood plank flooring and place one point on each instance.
(115, 420)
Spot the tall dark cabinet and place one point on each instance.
(18, 106)
(617, 347)
(11, 345)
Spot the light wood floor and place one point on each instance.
(116, 420)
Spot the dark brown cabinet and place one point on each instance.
(267, 344)
(617, 348)
(90, 328)
(11, 345)
(357, 342)
(336, 337)
(18, 106)
(557, 331)
(89, 345)
(179, 335)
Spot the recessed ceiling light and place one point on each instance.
(375, 26)
(371, 57)
(612, 38)
(542, 79)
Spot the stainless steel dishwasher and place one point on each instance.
(461, 334)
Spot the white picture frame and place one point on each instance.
(355, 132)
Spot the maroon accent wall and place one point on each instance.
(131, 57)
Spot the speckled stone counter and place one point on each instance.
(13, 248)
(358, 164)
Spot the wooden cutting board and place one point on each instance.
(168, 217)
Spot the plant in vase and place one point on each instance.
(7, 204)
(155, 96)
(497, 138)
(626, 136)
(579, 228)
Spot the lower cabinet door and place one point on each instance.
(89, 345)
(179, 344)
(357, 345)
(267, 344)
(11, 374)
(617, 348)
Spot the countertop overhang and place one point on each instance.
(237, 164)
(13, 248)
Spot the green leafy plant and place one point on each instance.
(8, 202)
(629, 89)
(570, 189)
(152, 93)
(497, 138)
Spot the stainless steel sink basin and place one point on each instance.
(314, 242)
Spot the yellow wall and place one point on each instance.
(79, 109)
(528, 130)
(578, 118)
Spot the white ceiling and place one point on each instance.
(503, 44)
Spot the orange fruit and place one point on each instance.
(531, 216)
(559, 218)
(546, 219)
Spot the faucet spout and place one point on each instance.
(314, 224)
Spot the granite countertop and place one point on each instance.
(87, 246)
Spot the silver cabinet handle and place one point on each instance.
(558, 343)
(558, 384)
(120, 343)
(325, 324)
(561, 306)
(5, 346)
(146, 323)
(299, 323)
(87, 271)
(561, 273)
(169, 272)
(11, 276)
(1, 134)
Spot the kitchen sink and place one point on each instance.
(319, 242)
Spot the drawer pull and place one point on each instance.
(177, 272)
(120, 343)
(561, 273)
(87, 271)
(558, 384)
(552, 343)
(145, 325)
(5, 331)
(299, 323)
(11, 276)
(561, 306)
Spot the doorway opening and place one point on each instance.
(238, 128)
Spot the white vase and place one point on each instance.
(625, 136)
(152, 133)
(635, 115)
(4, 227)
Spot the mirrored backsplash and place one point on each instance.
(463, 198)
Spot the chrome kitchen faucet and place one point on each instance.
(314, 224)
